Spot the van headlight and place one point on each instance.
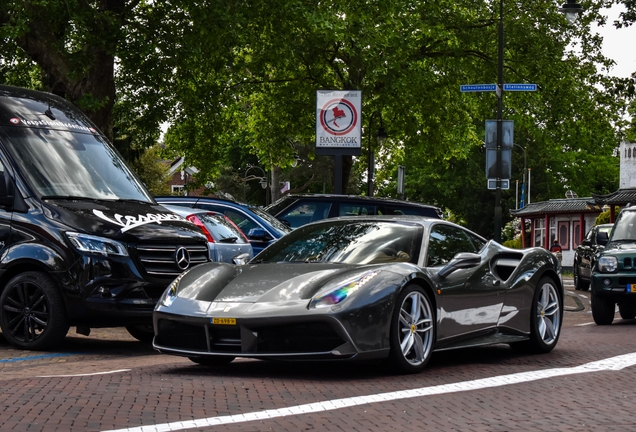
(335, 293)
(607, 264)
(96, 245)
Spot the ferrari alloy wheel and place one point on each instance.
(545, 319)
(141, 332)
(212, 360)
(32, 312)
(412, 331)
(627, 310)
(603, 309)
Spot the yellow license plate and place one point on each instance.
(224, 321)
(631, 288)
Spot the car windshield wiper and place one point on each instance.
(228, 240)
(68, 198)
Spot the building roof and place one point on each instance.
(621, 197)
(558, 206)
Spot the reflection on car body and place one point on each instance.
(365, 287)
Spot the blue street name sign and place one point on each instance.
(520, 87)
(477, 87)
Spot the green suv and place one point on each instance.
(614, 273)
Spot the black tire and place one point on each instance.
(412, 331)
(603, 310)
(212, 360)
(546, 319)
(627, 310)
(580, 285)
(141, 332)
(32, 313)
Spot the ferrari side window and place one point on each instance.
(446, 241)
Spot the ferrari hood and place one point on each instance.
(254, 283)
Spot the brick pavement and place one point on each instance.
(160, 389)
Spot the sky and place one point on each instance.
(618, 44)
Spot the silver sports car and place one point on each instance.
(365, 287)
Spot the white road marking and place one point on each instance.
(81, 375)
(610, 364)
(584, 324)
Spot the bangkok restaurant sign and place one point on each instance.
(338, 117)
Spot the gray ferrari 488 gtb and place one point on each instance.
(395, 287)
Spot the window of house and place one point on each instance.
(539, 232)
(564, 235)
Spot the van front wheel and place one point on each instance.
(32, 312)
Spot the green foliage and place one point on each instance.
(152, 171)
(237, 83)
(604, 217)
(513, 243)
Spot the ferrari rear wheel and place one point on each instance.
(603, 310)
(212, 360)
(412, 331)
(545, 319)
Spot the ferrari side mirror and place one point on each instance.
(462, 260)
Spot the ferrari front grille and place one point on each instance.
(302, 338)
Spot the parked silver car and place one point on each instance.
(226, 241)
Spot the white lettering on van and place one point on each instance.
(130, 222)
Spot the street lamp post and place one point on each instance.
(523, 178)
(380, 138)
(262, 180)
(498, 212)
(571, 9)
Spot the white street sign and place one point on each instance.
(338, 117)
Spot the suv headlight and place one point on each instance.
(96, 245)
(607, 264)
(334, 294)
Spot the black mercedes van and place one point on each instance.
(82, 242)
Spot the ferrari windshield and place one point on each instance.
(71, 164)
(348, 242)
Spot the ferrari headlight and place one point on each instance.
(607, 264)
(96, 245)
(170, 293)
(335, 294)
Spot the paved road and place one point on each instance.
(108, 381)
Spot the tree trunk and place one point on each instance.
(82, 74)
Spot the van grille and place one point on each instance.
(161, 260)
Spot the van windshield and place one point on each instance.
(72, 164)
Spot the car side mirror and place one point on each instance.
(258, 234)
(462, 260)
(602, 238)
(241, 259)
(7, 188)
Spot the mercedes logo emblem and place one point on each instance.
(182, 258)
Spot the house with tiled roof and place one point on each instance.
(569, 219)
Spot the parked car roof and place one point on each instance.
(299, 209)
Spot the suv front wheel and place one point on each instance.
(603, 310)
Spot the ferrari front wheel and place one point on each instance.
(412, 331)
